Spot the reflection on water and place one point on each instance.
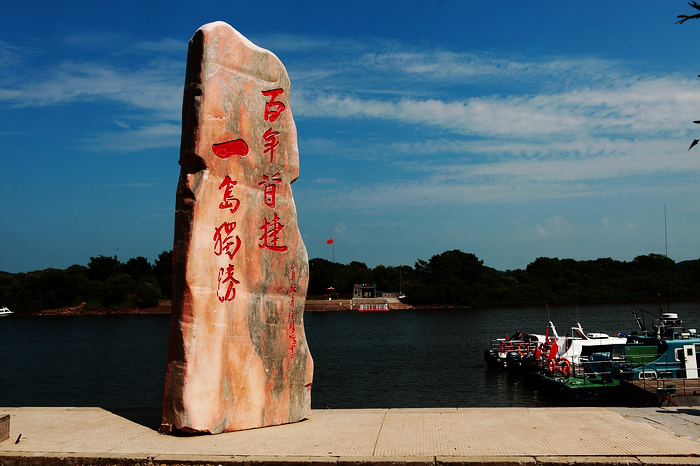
(419, 358)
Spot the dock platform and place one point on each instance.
(684, 392)
(445, 436)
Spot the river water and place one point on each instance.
(410, 358)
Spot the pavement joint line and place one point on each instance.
(379, 434)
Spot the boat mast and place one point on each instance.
(665, 232)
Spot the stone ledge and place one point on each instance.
(386, 461)
(489, 460)
(75, 459)
(668, 460)
(587, 460)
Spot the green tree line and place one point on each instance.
(461, 279)
(104, 284)
(452, 278)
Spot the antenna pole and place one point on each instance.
(665, 232)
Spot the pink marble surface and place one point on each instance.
(238, 355)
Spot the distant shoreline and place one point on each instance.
(164, 307)
(312, 305)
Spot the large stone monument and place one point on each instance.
(238, 355)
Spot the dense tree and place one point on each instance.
(322, 276)
(163, 270)
(101, 268)
(147, 293)
(104, 284)
(138, 268)
(451, 278)
(117, 289)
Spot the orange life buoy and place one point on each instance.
(564, 367)
(505, 346)
(551, 366)
(522, 349)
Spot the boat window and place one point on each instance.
(679, 354)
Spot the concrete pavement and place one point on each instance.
(427, 436)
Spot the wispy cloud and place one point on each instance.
(70, 82)
(571, 127)
(644, 108)
(566, 125)
(158, 136)
(144, 94)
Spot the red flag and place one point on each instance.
(553, 350)
(330, 241)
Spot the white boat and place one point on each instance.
(578, 347)
(5, 312)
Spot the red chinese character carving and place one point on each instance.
(228, 282)
(293, 339)
(224, 150)
(292, 327)
(271, 142)
(273, 108)
(229, 201)
(224, 241)
(270, 235)
(270, 189)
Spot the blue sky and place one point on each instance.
(512, 130)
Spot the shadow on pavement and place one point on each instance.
(147, 417)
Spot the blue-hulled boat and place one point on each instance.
(668, 352)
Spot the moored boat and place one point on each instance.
(373, 307)
(663, 364)
(658, 364)
(509, 352)
(577, 366)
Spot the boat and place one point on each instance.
(508, 352)
(373, 307)
(588, 381)
(668, 353)
(655, 366)
(662, 364)
(580, 346)
(578, 366)
(5, 312)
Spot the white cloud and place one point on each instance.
(340, 228)
(639, 109)
(580, 127)
(165, 135)
(479, 67)
(569, 126)
(325, 181)
(70, 82)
